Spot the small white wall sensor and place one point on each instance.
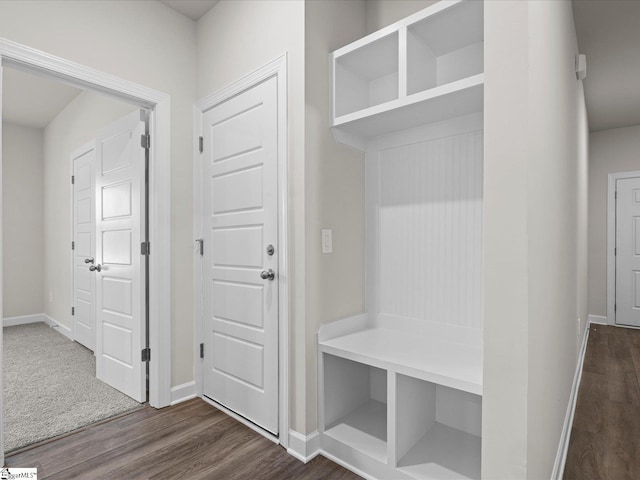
(581, 66)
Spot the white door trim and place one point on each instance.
(611, 241)
(35, 61)
(278, 68)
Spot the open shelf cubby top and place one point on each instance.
(422, 69)
(447, 363)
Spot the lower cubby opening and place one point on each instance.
(355, 405)
(438, 430)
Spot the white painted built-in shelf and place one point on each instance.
(404, 403)
(454, 365)
(400, 387)
(425, 68)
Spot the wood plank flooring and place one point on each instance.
(605, 438)
(191, 440)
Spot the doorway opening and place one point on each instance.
(159, 339)
(69, 275)
(623, 249)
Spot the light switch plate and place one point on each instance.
(327, 240)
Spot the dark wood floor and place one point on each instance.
(191, 440)
(605, 438)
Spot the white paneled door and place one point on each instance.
(84, 224)
(120, 267)
(628, 252)
(240, 278)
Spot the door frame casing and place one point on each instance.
(611, 242)
(49, 66)
(276, 68)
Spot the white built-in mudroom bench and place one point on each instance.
(400, 387)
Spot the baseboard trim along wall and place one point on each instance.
(23, 320)
(600, 320)
(58, 327)
(182, 393)
(565, 436)
(304, 448)
(35, 318)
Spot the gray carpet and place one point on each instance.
(50, 386)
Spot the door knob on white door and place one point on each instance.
(96, 268)
(89, 260)
(268, 274)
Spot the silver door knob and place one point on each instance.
(268, 274)
(89, 260)
(95, 268)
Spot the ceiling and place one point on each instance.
(193, 9)
(33, 101)
(609, 35)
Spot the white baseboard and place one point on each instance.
(36, 318)
(23, 320)
(182, 393)
(600, 320)
(565, 436)
(304, 448)
(58, 327)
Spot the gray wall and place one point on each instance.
(22, 228)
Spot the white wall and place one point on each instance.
(504, 405)
(381, 13)
(334, 187)
(148, 43)
(611, 151)
(74, 126)
(535, 233)
(22, 234)
(557, 226)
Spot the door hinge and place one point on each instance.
(145, 141)
(146, 354)
(73, 179)
(615, 307)
(615, 251)
(200, 245)
(145, 248)
(616, 197)
(201, 144)
(202, 350)
(73, 310)
(73, 245)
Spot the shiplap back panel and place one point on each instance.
(429, 240)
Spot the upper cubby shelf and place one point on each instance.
(423, 69)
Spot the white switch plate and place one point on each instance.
(327, 240)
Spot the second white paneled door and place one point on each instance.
(120, 267)
(240, 278)
(84, 225)
(627, 309)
